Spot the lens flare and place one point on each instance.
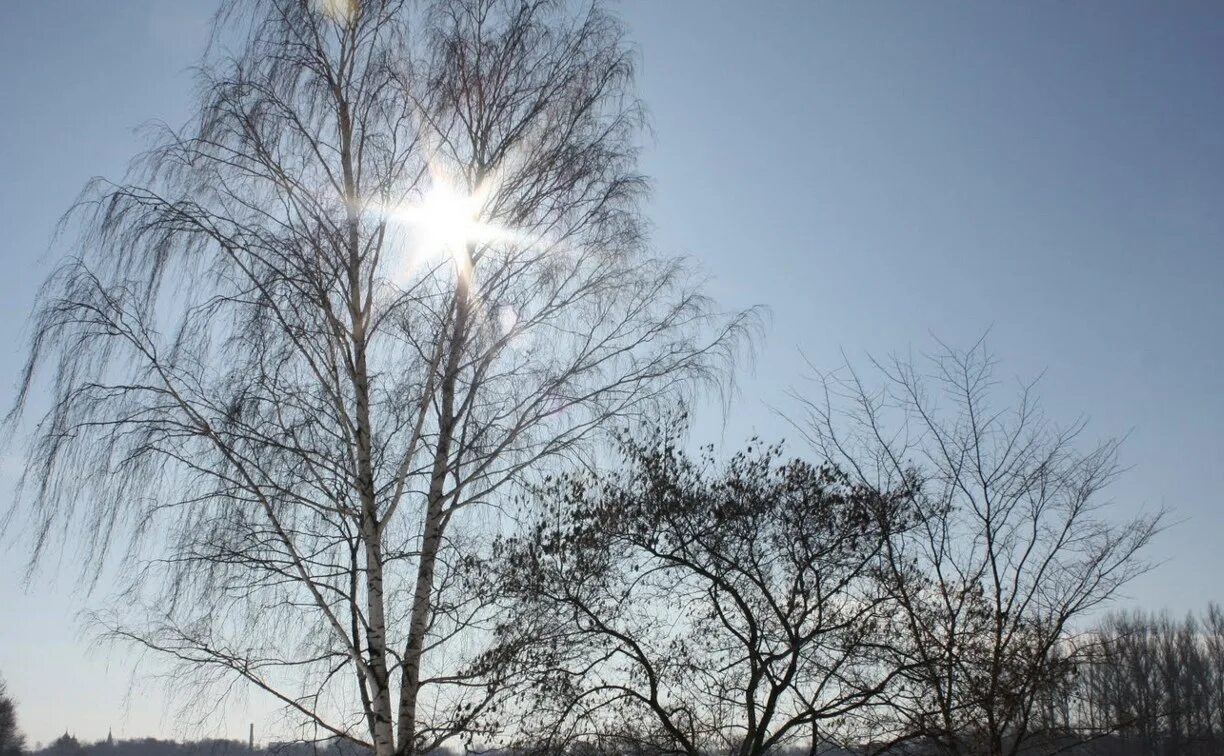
(449, 218)
(446, 221)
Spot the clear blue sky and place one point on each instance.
(874, 172)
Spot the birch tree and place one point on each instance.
(293, 362)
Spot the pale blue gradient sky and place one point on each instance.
(875, 172)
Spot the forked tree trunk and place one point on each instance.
(435, 521)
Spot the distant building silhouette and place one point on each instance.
(64, 745)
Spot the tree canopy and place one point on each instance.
(12, 742)
(394, 269)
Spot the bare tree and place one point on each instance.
(12, 742)
(695, 610)
(1014, 552)
(395, 268)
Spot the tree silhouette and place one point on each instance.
(692, 609)
(1014, 551)
(1154, 683)
(12, 742)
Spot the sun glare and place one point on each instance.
(339, 10)
(448, 217)
(445, 222)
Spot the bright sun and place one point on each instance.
(339, 10)
(445, 222)
(448, 217)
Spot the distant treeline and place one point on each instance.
(67, 745)
(1161, 680)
